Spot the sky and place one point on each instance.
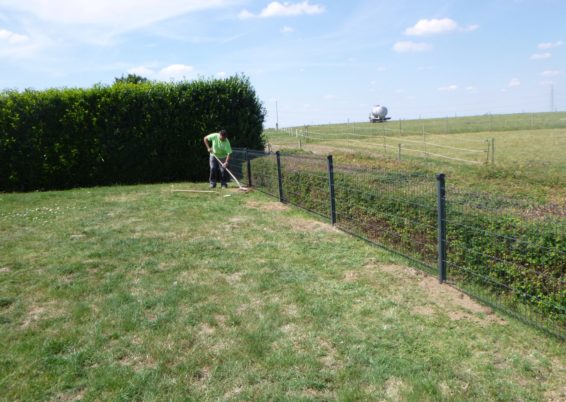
(310, 62)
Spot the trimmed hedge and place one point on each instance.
(125, 133)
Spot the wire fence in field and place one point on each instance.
(505, 252)
(399, 144)
(453, 125)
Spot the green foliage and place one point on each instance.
(124, 133)
(132, 79)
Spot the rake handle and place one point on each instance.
(234, 177)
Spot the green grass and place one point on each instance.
(135, 292)
(529, 150)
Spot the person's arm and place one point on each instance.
(229, 152)
(207, 144)
(225, 164)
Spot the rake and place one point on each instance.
(240, 187)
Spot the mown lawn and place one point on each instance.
(138, 293)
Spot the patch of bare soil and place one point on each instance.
(125, 197)
(444, 298)
(351, 276)
(544, 211)
(41, 312)
(205, 330)
(394, 387)
(330, 355)
(466, 307)
(307, 225)
(72, 395)
(267, 206)
(138, 362)
(234, 278)
(5, 270)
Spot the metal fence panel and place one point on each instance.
(506, 252)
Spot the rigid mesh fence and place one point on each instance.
(394, 210)
(509, 253)
(505, 252)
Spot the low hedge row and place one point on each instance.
(124, 133)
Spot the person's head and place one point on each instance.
(223, 135)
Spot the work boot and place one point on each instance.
(212, 185)
(224, 185)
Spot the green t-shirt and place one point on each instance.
(219, 148)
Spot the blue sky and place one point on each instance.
(319, 61)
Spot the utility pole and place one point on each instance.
(276, 116)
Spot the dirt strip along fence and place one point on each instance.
(508, 253)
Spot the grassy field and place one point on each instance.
(137, 293)
(529, 155)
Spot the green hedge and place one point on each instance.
(124, 133)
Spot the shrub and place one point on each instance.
(125, 133)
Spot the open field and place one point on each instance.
(138, 293)
(522, 155)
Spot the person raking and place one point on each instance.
(218, 145)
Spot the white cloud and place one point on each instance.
(551, 73)
(21, 47)
(411, 47)
(287, 29)
(122, 15)
(277, 9)
(12, 38)
(142, 71)
(448, 88)
(541, 56)
(175, 72)
(550, 45)
(470, 28)
(514, 83)
(437, 26)
(221, 74)
(471, 89)
(330, 97)
(245, 14)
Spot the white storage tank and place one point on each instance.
(378, 114)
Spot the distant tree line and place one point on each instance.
(134, 131)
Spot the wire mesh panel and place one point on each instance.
(263, 175)
(392, 209)
(507, 253)
(238, 164)
(305, 182)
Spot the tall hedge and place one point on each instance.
(124, 133)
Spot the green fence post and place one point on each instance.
(249, 166)
(279, 176)
(331, 187)
(441, 219)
